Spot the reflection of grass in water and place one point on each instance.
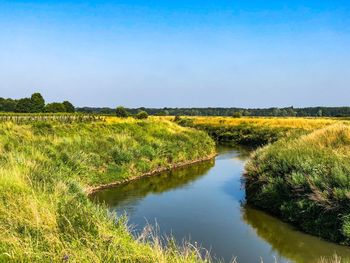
(132, 191)
(292, 244)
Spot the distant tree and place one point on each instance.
(246, 113)
(237, 114)
(121, 112)
(7, 105)
(24, 105)
(69, 106)
(141, 115)
(38, 103)
(163, 113)
(320, 113)
(106, 111)
(55, 107)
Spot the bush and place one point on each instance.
(237, 114)
(141, 115)
(55, 107)
(121, 112)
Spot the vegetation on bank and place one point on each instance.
(305, 181)
(253, 131)
(302, 175)
(45, 215)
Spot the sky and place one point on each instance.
(181, 53)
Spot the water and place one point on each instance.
(204, 203)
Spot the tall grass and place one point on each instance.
(280, 122)
(306, 181)
(254, 131)
(45, 167)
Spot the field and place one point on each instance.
(46, 168)
(274, 122)
(255, 131)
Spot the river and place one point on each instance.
(205, 204)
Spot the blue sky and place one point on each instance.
(177, 53)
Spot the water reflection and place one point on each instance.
(203, 203)
(133, 191)
(289, 242)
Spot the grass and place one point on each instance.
(255, 131)
(45, 167)
(275, 122)
(305, 181)
(302, 175)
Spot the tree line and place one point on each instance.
(34, 104)
(235, 112)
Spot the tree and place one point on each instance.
(7, 105)
(69, 106)
(237, 114)
(320, 113)
(55, 107)
(121, 112)
(163, 113)
(38, 103)
(141, 115)
(24, 105)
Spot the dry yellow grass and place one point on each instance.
(284, 122)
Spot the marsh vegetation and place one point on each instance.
(46, 167)
(50, 161)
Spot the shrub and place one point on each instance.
(121, 112)
(141, 115)
(55, 107)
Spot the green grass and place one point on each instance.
(45, 168)
(237, 132)
(305, 181)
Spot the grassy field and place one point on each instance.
(275, 122)
(255, 131)
(45, 215)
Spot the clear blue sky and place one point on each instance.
(177, 53)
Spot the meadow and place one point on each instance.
(254, 131)
(46, 169)
(50, 162)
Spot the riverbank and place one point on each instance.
(91, 190)
(45, 215)
(301, 176)
(305, 181)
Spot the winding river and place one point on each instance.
(205, 204)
